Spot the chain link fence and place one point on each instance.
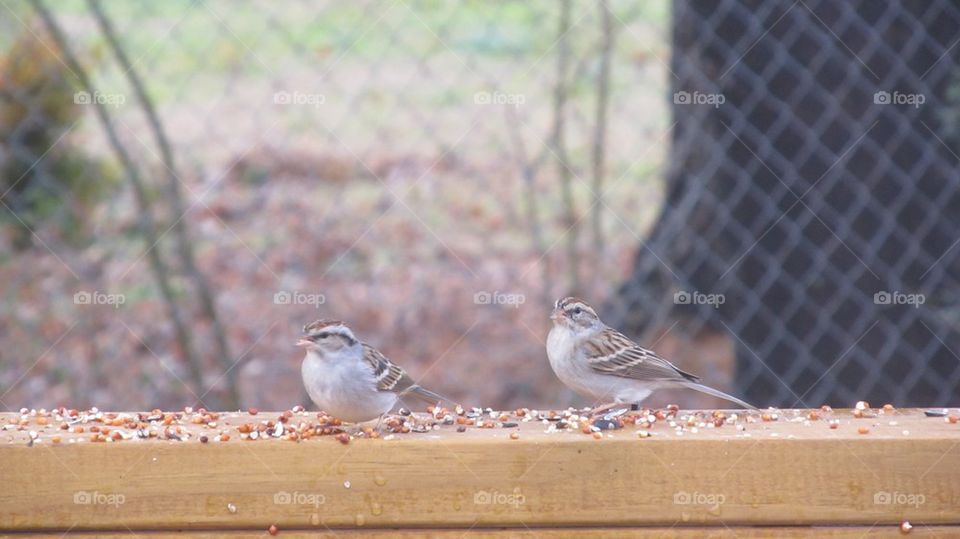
(407, 165)
(813, 185)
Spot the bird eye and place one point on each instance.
(578, 310)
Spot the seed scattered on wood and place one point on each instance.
(863, 430)
(253, 411)
(905, 527)
(273, 529)
(514, 435)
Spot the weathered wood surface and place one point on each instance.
(872, 473)
(732, 532)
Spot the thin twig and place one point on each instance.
(600, 126)
(182, 235)
(559, 144)
(528, 170)
(146, 221)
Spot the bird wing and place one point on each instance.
(393, 378)
(611, 352)
(389, 377)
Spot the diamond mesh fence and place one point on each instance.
(763, 192)
(818, 197)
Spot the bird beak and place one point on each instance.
(303, 343)
(556, 315)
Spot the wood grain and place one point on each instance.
(789, 472)
(830, 532)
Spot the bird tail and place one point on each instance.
(717, 393)
(425, 395)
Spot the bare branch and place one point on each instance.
(184, 244)
(559, 144)
(600, 125)
(528, 170)
(147, 222)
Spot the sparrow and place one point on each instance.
(601, 363)
(352, 380)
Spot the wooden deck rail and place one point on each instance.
(680, 474)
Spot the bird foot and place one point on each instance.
(599, 410)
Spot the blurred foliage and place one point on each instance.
(44, 178)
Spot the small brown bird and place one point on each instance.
(601, 363)
(350, 379)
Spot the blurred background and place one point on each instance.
(763, 192)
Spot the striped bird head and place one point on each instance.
(575, 314)
(327, 337)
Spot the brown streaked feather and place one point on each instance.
(393, 378)
(318, 325)
(611, 352)
(572, 303)
(389, 377)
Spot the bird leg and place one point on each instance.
(605, 408)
